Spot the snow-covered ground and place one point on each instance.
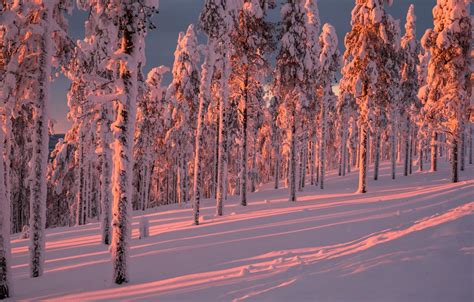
(411, 239)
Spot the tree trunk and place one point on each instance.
(39, 160)
(376, 155)
(105, 179)
(292, 174)
(124, 128)
(393, 155)
(322, 146)
(420, 156)
(407, 149)
(243, 170)
(454, 161)
(312, 159)
(363, 160)
(5, 276)
(221, 159)
(463, 149)
(434, 152)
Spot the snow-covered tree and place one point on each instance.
(409, 102)
(448, 73)
(364, 51)
(183, 92)
(44, 28)
(252, 41)
(329, 64)
(291, 77)
(130, 20)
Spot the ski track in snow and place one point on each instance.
(406, 240)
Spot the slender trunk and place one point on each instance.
(322, 146)
(300, 171)
(407, 149)
(312, 159)
(277, 167)
(470, 144)
(393, 155)
(420, 156)
(292, 174)
(253, 183)
(363, 160)
(207, 73)
(39, 160)
(243, 170)
(411, 152)
(377, 155)
(463, 150)
(454, 161)
(5, 275)
(434, 152)
(105, 180)
(221, 159)
(305, 161)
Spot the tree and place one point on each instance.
(411, 49)
(183, 92)
(252, 41)
(291, 77)
(329, 63)
(45, 28)
(448, 73)
(364, 45)
(131, 21)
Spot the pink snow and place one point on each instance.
(409, 239)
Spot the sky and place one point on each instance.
(175, 16)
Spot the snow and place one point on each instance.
(409, 239)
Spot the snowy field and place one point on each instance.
(411, 239)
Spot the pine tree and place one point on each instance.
(291, 77)
(252, 40)
(365, 46)
(329, 64)
(409, 103)
(131, 21)
(448, 73)
(183, 92)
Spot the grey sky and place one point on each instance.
(176, 15)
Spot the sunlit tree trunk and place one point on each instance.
(363, 160)
(40, 141)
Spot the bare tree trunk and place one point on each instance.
(243, 171)
(407, 149)
(393, 154)
(454, 161)
(292, 174)
(5, 275)
(377, 154)
(420, 155)
(434, 152)
(322, 146)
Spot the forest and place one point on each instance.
(262, 105)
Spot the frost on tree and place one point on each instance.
(447, 87)
(131, 21)
(329, 63)
(291, 78)
(46, 36)
(183, 93)
(369, 45)
(409, 103)
(252, 41)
